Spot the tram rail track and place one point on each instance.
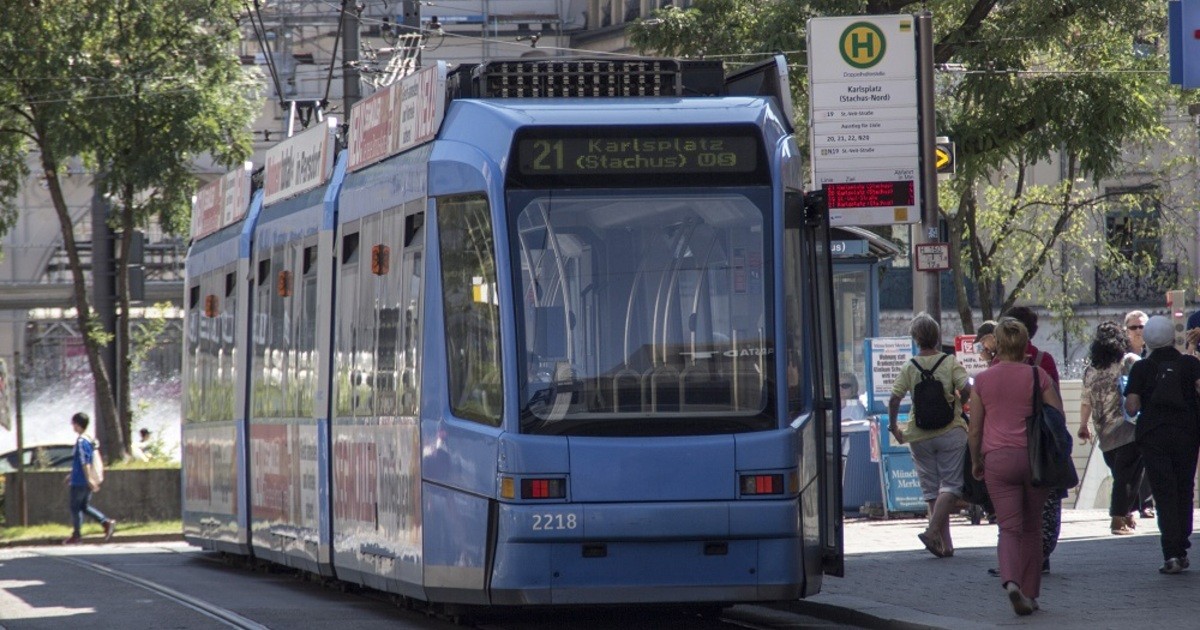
(212, 611)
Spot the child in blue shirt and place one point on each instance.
(81, 490)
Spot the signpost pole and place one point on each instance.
(22, 502)
(927, 288)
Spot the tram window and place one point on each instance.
(306, 339)
(230, 283)
(793, 290)
(472, 309)
(346, 341)
(412, 226)
(264, 270)
(350, 248)
(643, 313)
(194, 297)
(310, 259)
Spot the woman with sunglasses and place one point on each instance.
(1135, 327)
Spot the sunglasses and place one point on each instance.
(1135, 327)
(846, 386)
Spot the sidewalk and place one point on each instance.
(1097, 580)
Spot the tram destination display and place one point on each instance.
(869, 194)
(612, 155)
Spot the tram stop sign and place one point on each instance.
(943, 158)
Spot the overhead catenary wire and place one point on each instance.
(260, 34)
(337, 39)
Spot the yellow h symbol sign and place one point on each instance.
(862, 45)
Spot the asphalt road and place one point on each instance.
(172, 585)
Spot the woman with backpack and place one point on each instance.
(1109, 361)
(936, 431)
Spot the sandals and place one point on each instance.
(1021, 604)
(934, 545)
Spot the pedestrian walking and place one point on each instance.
(1109, 359)
(1135, 324)
(1163, 389)
(1000, 456)
(976, 489)
(1052, 510)
(81, 485)
(935, 432)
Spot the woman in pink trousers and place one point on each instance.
(1000, 402)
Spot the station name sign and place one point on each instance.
(606, 155)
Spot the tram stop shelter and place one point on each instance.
(859, 258)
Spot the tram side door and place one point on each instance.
(818, 265)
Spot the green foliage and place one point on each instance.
(707, 27)
(184, 94)
(140, 91)
(55, 532)
(145, 335)
(1019, 84)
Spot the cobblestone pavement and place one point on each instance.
(1097, 580)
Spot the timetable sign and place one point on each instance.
(863, 118)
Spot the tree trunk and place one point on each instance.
(959, 272)
(105, 404)
(124, 358)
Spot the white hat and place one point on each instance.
(1159, 332)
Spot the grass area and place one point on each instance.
(90, 529)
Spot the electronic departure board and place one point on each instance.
(683, 154)
(870, 194)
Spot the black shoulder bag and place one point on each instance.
(1049, 444)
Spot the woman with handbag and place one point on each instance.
(1109, 359)
(1163, 389)
(1000, 455)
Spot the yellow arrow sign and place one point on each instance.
(942, 157)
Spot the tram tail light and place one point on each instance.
(381, 257)
(283, 284)
(543, 488)
(762, 484)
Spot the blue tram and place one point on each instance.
(515, 346)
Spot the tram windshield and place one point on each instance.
(643, 313)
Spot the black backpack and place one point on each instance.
(930, 409)
(1168, 388)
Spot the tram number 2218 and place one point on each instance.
(548, 522)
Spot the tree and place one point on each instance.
(1021, 83)
(139, 91)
